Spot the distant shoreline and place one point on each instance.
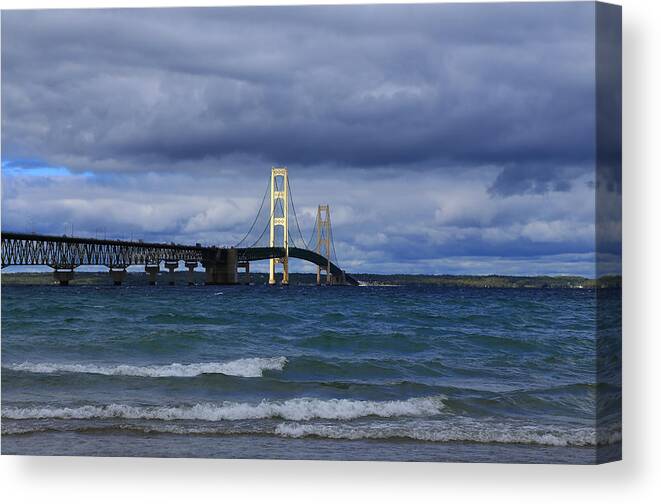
(369, 279)
(495, 281)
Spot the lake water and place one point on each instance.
(305, 372)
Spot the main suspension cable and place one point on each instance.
(337, 262)
(295, 216)
(268, 222)
(256, 216)
(309, 242)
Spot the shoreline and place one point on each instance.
(366, 279)
(272, 447)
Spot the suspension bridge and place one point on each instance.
(270, 237)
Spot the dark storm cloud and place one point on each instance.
(446, 138)
(533, 178)
(357, 86)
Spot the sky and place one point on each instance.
(447, 139)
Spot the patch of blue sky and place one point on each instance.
(36, 168)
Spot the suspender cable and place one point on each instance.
(256, 217)
(268, 222)
(305, 245)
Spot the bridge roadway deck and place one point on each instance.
(27, 249)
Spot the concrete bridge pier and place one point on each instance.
(152, 271)
(246, 267)
(339, 279)
(118, 275)
(191, 265)
(220, 266)
(171, 266)
(64, 276)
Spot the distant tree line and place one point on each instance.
(459, 281)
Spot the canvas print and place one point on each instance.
(359, 232)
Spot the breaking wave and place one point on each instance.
(252, 367)
(485, 433)
(293, 409)
(449, 432)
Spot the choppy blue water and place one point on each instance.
(395, 373)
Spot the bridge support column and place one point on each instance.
(220, 266)
(324, 242)
(328, 277)
(285, 269)
(152, 271)
(191, 265)
(339, 279)
(63, 276)
(279, 222)
(118, 275)
(246, 266)
(171, 266)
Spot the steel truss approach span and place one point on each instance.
(65, 253)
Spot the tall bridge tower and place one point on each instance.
(323, 241)
(65, 253)
(279, 220)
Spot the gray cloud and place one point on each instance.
(392, 220)
(449, 131)
(352, 86)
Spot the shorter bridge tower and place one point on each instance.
(323, 241)
(279, 220)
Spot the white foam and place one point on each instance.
(457, 431)
(293, 409)
(250, 368)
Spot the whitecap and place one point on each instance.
(298, 409)
(457, 430)
(251, 367)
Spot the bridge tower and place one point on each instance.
(323, 241)
(279, 220)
